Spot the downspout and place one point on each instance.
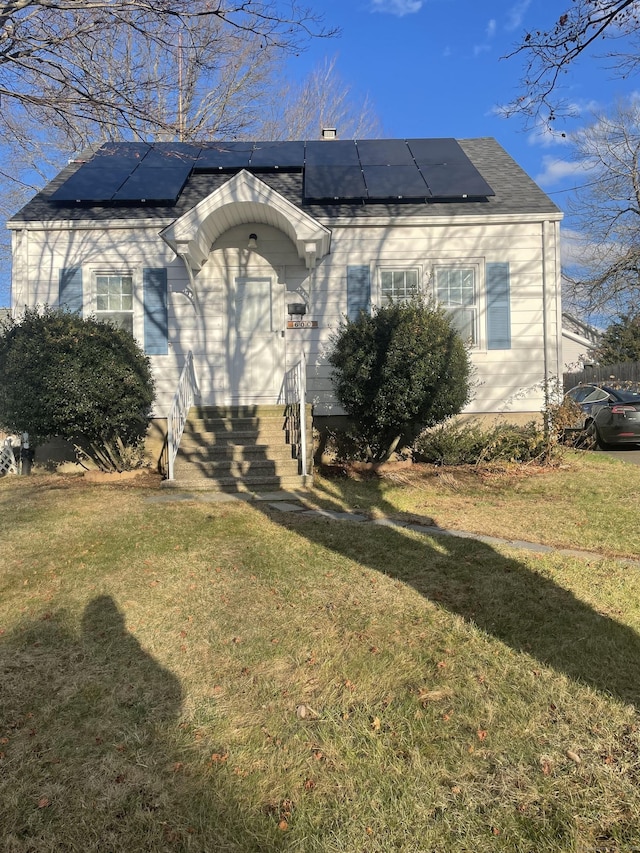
(558, 291)
(549, 369)
(550, 279)
(545, 319)
(19, 293)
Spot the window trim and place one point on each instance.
(478, 267)
(397, 266)
(137, 311)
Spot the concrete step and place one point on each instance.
(237, 412)
(236, 468)
(194, 448)
(246, 485)
(236, 448)
(233, 435)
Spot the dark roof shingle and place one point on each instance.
(514, 193)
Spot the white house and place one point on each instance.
(207, 249)
(579, 342)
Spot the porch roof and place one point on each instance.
(244, 198)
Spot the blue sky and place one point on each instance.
(436, 68)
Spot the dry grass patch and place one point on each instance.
(154, 659)
(589, 501)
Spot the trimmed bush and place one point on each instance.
(471, 444)
(78, 379)
(451, 443)
(398, 371)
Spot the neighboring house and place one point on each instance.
(579, 340)
(204, 248)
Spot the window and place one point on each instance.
(114, 299)
(456, 292)
(596, 395)
(587, 394)
(398, 285)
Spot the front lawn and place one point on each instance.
(588, 501)
(194, 676)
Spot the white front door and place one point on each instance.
(256, 339)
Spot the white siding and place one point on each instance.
(506, 380)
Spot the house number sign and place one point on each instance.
(302, 324)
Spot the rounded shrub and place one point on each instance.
(78, 379)
(397, 371)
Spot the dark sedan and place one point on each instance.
(611, 416)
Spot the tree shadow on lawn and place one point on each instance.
(90, 747)
(501, 595)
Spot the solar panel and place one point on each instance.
(331, 152)
(153, 183)
(384, 152)
(93, 184)
(172, 154)
(121, 152)
(224, 155)
(277, 155)
(456, 180)
(428, 151)
(101, 176)
(334, 169)
(395, 182)
(341, 182)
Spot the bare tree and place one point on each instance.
(581, 28)
(323, 99)
(183, 77)
(50, 50)
(80, 71)
(606, 210)
(209, 84)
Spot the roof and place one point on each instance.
(577, 327)
(499, 187)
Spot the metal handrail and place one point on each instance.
(183, 399)
(302, 395)
(295, 386)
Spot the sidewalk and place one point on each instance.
(294, 502)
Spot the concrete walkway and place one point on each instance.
(295, 502)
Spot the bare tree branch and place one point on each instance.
(48, 48)
(323, 99)
(607, 212)
(549, 53)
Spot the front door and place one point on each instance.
(256, 340)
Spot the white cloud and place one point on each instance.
(481, 48)
(516, 14)
(397, 7)
(490, 32)
(546, 137)
(554, 169)
(574, 248)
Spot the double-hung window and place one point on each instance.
(114, 299)
(398, 285)
(456, 291)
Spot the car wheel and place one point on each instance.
(602, 444)
(591, 436)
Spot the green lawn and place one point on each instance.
(193, 676)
